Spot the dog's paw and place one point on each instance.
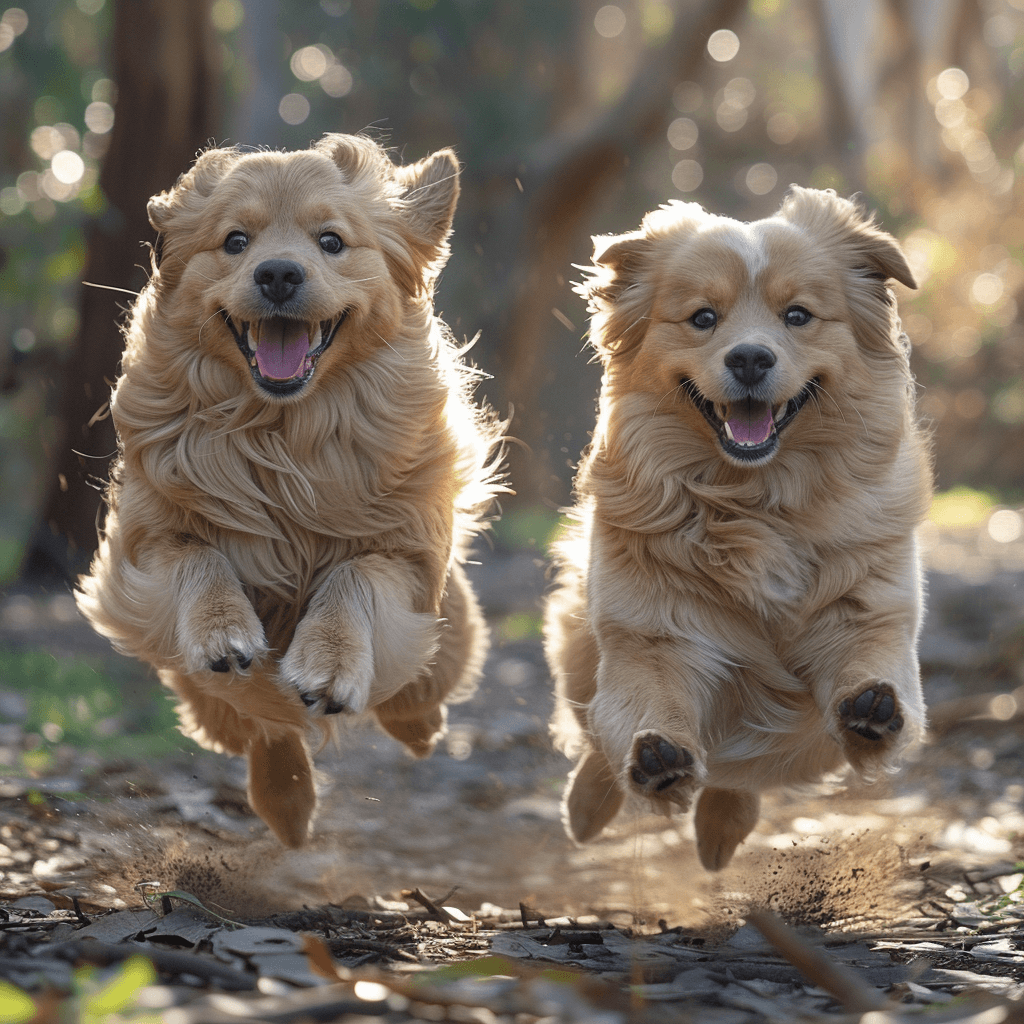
(662, 770)
(332, 671)
(873, 714)
(225, 638)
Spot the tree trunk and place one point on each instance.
(166, 67)
(542, 211)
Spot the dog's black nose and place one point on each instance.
(278, 279)
(749, 363)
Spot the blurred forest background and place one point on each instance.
(571, 118)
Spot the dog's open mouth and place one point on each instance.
(748, 429)
(281, 352)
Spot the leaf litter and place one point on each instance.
(445, 890)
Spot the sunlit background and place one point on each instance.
(570, 119)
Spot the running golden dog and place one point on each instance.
(301, 468)
(739, 605)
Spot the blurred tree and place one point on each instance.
(570, 119)
(541, 205)
(165, 66)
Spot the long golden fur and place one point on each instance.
(301, 467)
(738, 605)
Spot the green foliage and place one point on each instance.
(527, 527)
(97, 997)
(15, 1006)
(118, 709)
(518, 626)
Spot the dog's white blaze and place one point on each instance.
(749, 243)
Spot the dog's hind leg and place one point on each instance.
(416, 715)
(281, 787)
(723, 819)
(250, 715)
(592, 797)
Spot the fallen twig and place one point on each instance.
(819, 968)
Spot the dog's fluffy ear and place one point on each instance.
(181, 206)
(618, 290)
(421, 195)
(868, 256)
(430, 190)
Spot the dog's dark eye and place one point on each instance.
(235, 242)
(704, 319)
(332, 243)
(796, 316)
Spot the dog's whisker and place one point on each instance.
(109, 288)
(389, 345)
(203, 325)
(668, 394)
(430, 184)
(839, 408)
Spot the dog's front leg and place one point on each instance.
(866, 681)
(360, 640)
(217, 628)
(647, 716)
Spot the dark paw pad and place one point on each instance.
(873, 713)
(659, 764)
(235, 661)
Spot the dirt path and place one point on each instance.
(482, 814)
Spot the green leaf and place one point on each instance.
(121, 991)
(15, 1006)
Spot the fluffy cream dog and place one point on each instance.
(301, 468)
(739, 605)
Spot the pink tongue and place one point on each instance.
(751, 422)
(281, 353)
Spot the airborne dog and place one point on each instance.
(738, 605)
(301, 468)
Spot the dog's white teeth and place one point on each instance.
(780, 412)
(250, 341)
(315, 336)
(728, 430)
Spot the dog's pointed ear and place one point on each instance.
(430, 190)
(867, 256)
(841, 223)
(618, 291)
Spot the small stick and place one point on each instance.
(819, 968)
(425, 901)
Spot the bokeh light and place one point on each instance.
(687, 175)
(293, 108)
(610, 21)
(67, 167)
(13, 22)
(99, 117)
(227, 15)
(987, 289)
(952, 83)
(337, 81)
(682, 133)
(761, 179)
(1005, 526)
(308, 63)
(723, 45)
